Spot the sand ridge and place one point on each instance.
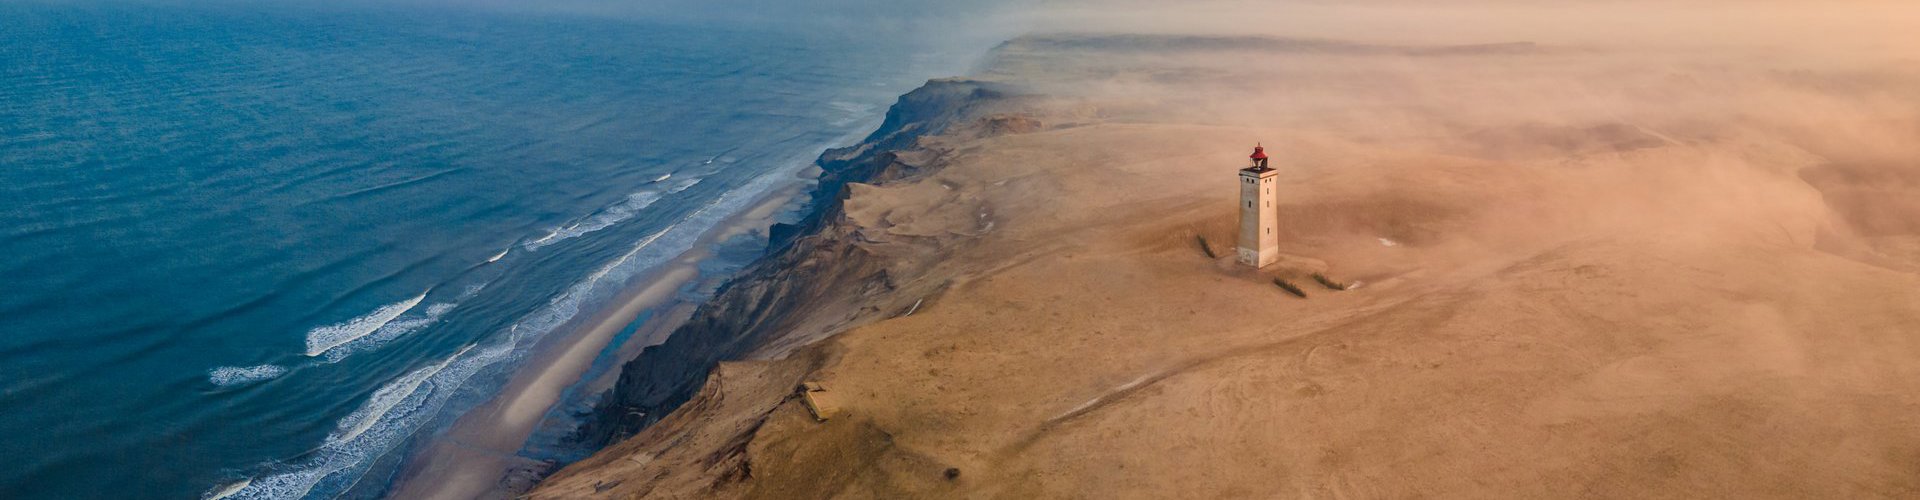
(1580, 299)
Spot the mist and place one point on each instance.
(1775, 24)
(1765, 122)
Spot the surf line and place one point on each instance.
(326, 338)
(386, 398)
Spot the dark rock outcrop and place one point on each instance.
(813, 265)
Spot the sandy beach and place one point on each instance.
(1550, 272)
(476, 458)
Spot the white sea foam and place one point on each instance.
(386, 397)
(664, 177)
(325, 338)
(347, 454)
(565, 306)
(398, 327)
(606, 217)
(394, 413)
(657, 248)
(227, 490)
(684, 184)
(229, 376)
(542, 241)
(498, 256)
(645, 254)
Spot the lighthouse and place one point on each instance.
(1259, 241)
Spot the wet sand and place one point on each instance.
(475, 457)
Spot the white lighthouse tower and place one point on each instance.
(1259, 222)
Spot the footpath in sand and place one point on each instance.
(1579, 278)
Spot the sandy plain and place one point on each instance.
(1583, 272)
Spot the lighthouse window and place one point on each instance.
(1249, 204)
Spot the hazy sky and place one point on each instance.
(1864, 24)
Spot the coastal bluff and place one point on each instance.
(821, 277)
(1654, 287)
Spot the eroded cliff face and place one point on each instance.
(822, 276)
(1658, 289)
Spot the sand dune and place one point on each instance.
(1614, 275)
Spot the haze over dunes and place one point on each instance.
(1591, 263)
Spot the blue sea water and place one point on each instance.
(254, 248)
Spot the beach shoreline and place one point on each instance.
(1026, 301)
(479, 453)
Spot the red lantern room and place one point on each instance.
(1257, 161)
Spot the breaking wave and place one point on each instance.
(227, 490)
(229, 376)
(605, 218)
(325, 338)
(387, 397)
(399, 408)
(614, 214)
(654, 250)
(338, 342)
(391, 415)
(393, 329)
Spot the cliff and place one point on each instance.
(817, 279)
(1645, 292)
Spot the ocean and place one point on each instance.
(259, 249)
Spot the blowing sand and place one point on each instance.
(1613, 274)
